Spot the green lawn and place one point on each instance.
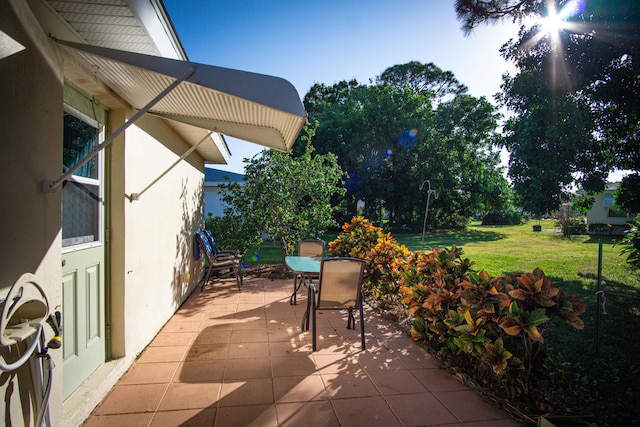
(502, 249)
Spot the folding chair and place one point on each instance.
(339, 288)
(307, 247)
(218, 260)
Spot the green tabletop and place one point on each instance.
(304, 264)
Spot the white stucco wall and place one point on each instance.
(30, 152)
(159, 228)
(150, 240)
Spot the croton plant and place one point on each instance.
(498, 321)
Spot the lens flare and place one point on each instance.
(354, 181)
(255, 257)
(389, 153)
(407, 138)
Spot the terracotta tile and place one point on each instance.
(164, 339)
(343, 386)
(250, 324)
(218, 323)
(185, 315)
(437, 380)
(416, 359)
(200, 371)
(248, 392)
(162, 354)
(237, 369)
(381, 360)
(365, 411)
(315, 413)
(286, 322)
(184, 418)
(207, 352)
(190, 396)
(246, 416)
(330, 344)
(282, 332)
(327, 363)
(299, 389)
(150, 373)
(292, 347)
(257, 335)
(122, 420)
(222, 308)
(467, 405)
(493, 423)
(174, 326)
(244, 350)
(396, 382)
(292, 366)
(125, 399)
(401, 344)
(421, 409)
(213, 335)
(247, 352)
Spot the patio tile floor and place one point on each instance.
(239, 358)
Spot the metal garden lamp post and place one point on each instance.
(426, 211)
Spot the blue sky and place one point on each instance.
(325, 41)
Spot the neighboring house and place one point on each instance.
(213, 179)
(111, 238)
(604, 216)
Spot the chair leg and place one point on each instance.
(313, 322)
(238, 273)
(362, 324)
(206, 278)
(351, 321)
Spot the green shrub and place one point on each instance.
(609, 229)
(230, 233)
(631, 244)
(572, 225)
(384, 256)
(502, 218)
(496, 323)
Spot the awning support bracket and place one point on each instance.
(52, 186)
(136, 196)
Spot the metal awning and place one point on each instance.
(262, 109)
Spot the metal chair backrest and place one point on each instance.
(205, 244)
(212, 241)
(340, 283)
(311, 247)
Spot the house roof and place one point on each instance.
(130, 25)
(212, 175)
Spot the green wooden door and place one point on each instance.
(83, 254)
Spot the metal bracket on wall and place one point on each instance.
(52, 186)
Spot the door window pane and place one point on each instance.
(81, 194)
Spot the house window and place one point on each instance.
(82, 193)
(617, 214)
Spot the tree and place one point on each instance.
(287, 197)
(422, 79)
(581, 75)
(415, 123)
